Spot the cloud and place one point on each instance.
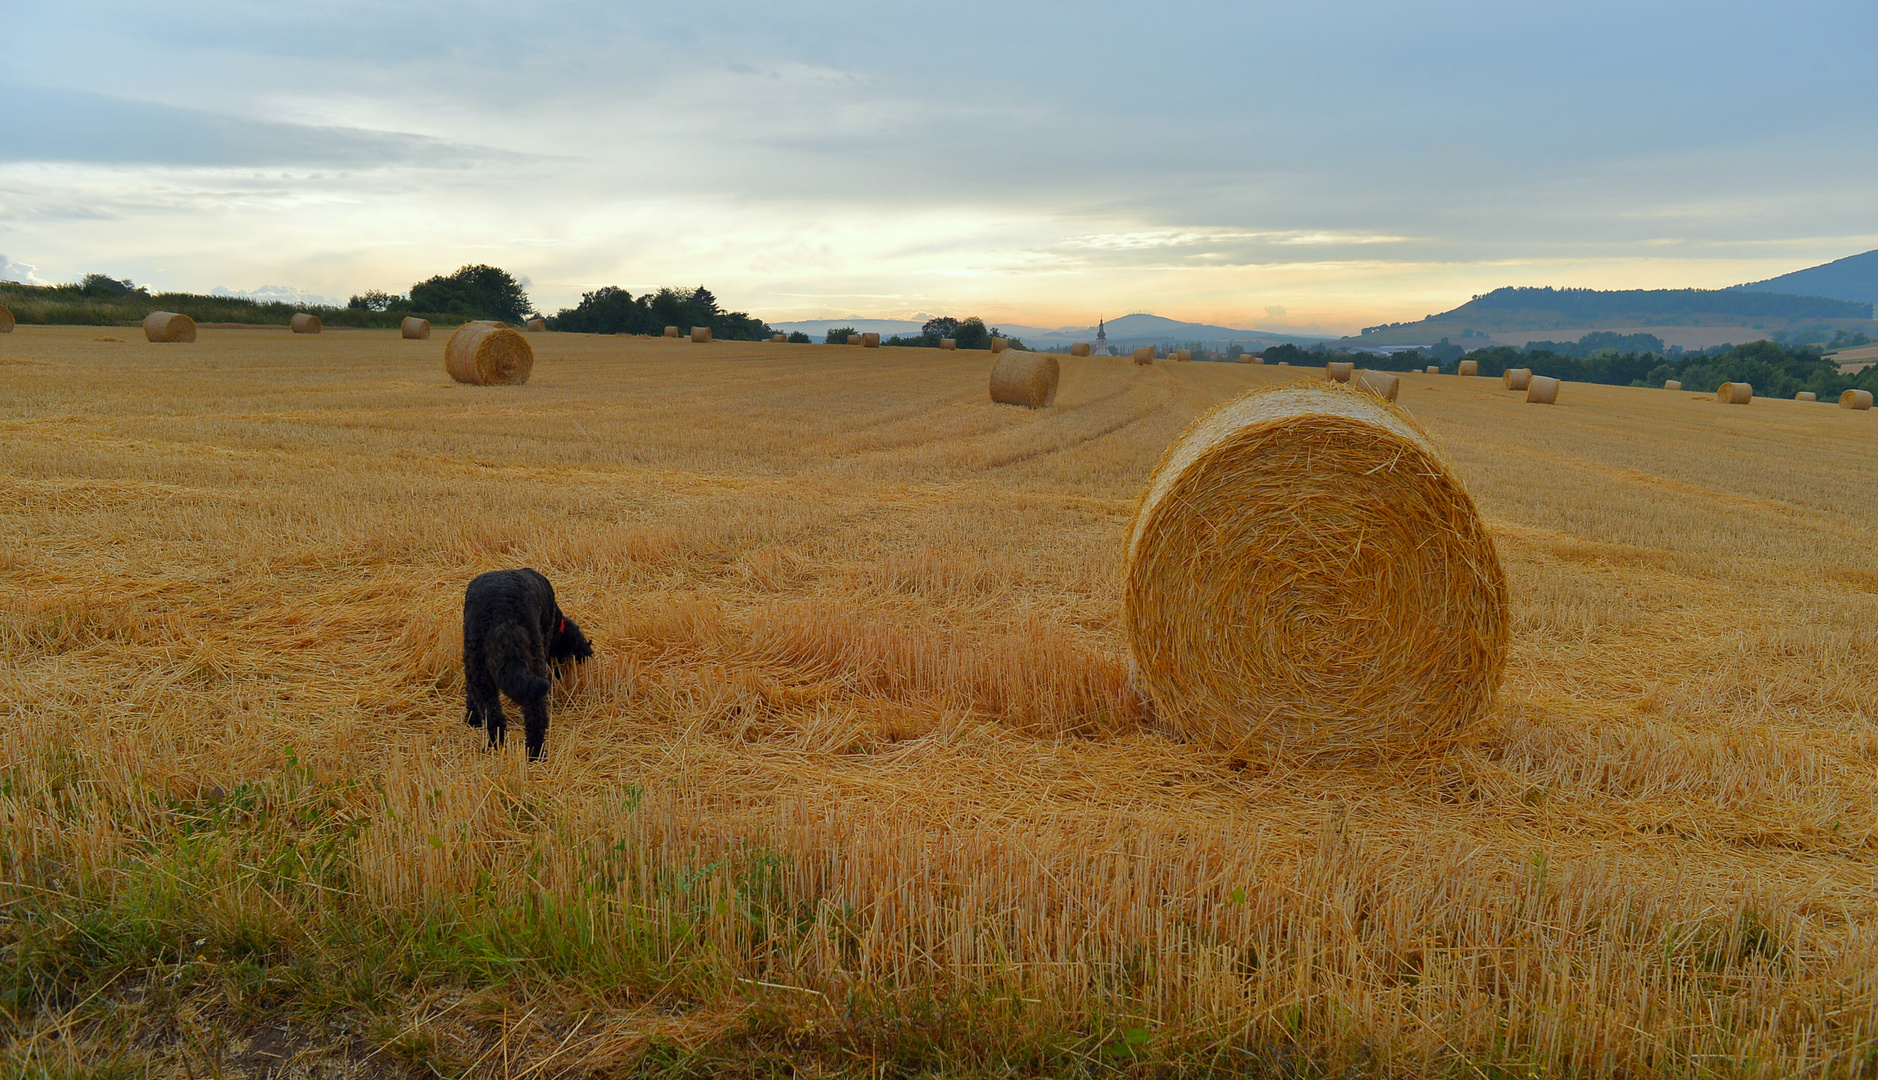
(23, 273)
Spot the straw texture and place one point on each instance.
(1517, 378)
(1467, 367)
(6, 320)
(1434, 369)
(1144, 355)
(1672, 384)
(414, 328)
(1855, 399)
(948, 344)
(1081, 348)
(1734, 393)
(1806, 395)
(1025, 378)
(1306, 578)
(672, 331)
(1183, 355)
(1380, 383)
(700, 335)
(307, 324)
(1542, 390)
(168, 326)
(1340, 370)
(870, 341)
(488, 355)
(535, 325)
(999, 344)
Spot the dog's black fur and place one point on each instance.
(514, 637)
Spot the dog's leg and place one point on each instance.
(486, 706)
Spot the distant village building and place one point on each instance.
(1102, 338)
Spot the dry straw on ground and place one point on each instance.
(1340, 371)
(1380, 383)
(1467, 367)
(1081, 348)
(168, 326)
(1025, 378)
(948, 344)
(1542, 390)
(672, 331)
(304, 323)
(1855, 399)
(414, 328)
(1517, 378)
(6, 320)
(999, 344)
(1306, 577)
(700, 335)
(870, 340)
(1144, 355)
(488, 355)
(1806, 395)
(1672, 384)
(1734, 393)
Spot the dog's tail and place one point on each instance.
(521, 685)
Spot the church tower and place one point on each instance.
(1102, 337)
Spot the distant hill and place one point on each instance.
(1130, 330)
(1853, 278)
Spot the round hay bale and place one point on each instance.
(1307, 578)
(535, 325)
(6, 320)
(701, 335)
(1806, 395)
(672, 331)
(870, 341)
(1734, 393)
(1380, 383)
(488, 355)
(1145, 356)
(948, 344)
(1516, 378)
(1855, 399)
(1284, 363)
(1025, 378)
(168, 326)
(414, 328)
(1541, 390)
(1672, 384)
(999, 344)
(1183, 355)
(1467, 367)
(1251, 358)
(306, 324)
(1081, 348)
(1339, 370)
(1434, 369)
(782, 339)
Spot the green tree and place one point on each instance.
(971, 333)
(839, 335)
(474, 292)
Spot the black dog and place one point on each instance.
(512, 631)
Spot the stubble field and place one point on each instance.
(855, 783)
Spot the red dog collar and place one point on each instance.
(563, 627)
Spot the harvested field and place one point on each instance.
(856, 781)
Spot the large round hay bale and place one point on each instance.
(303, 323)
(535, 325)
(1081, 348)
(1516, 378)
(6, 320)
(870, 341)
(168, 326)
(1806, 395)
(1734, 393)
(1672, 384)
(1380, 383)
(1855, 399)
(1339, 370)
(1541, 390)
(999, 344)
(1145, 356)
(414, 328)
(1024, 378)
(948, 344)
(1307, 578)
(1467, 367)
(672, 331)
(701, 335)
(488, 355)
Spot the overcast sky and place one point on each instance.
(1294, 165)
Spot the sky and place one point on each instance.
(1282, 166)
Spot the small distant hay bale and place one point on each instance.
(1183, 355)
(1145, 356)
(1307, 578)
(1806, 395)
(1434, 369)
(1284, 363)
(1251, 358)
(1339, 370)
(6, 320)
(1672, 384)
(701, 335)
(870, 341)
(1081, 348)
(168, 326)
(1855, 399)
(488, 355)
(1542, 390)
(672, 331)
(999, 344)
(1025, 378)
(1380, 383)
(779, 338)
(1734, 393)
(1516, 378)
(535, 325)
(414, 328)
(307, 324)
(1467, 367)
(948, 344)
